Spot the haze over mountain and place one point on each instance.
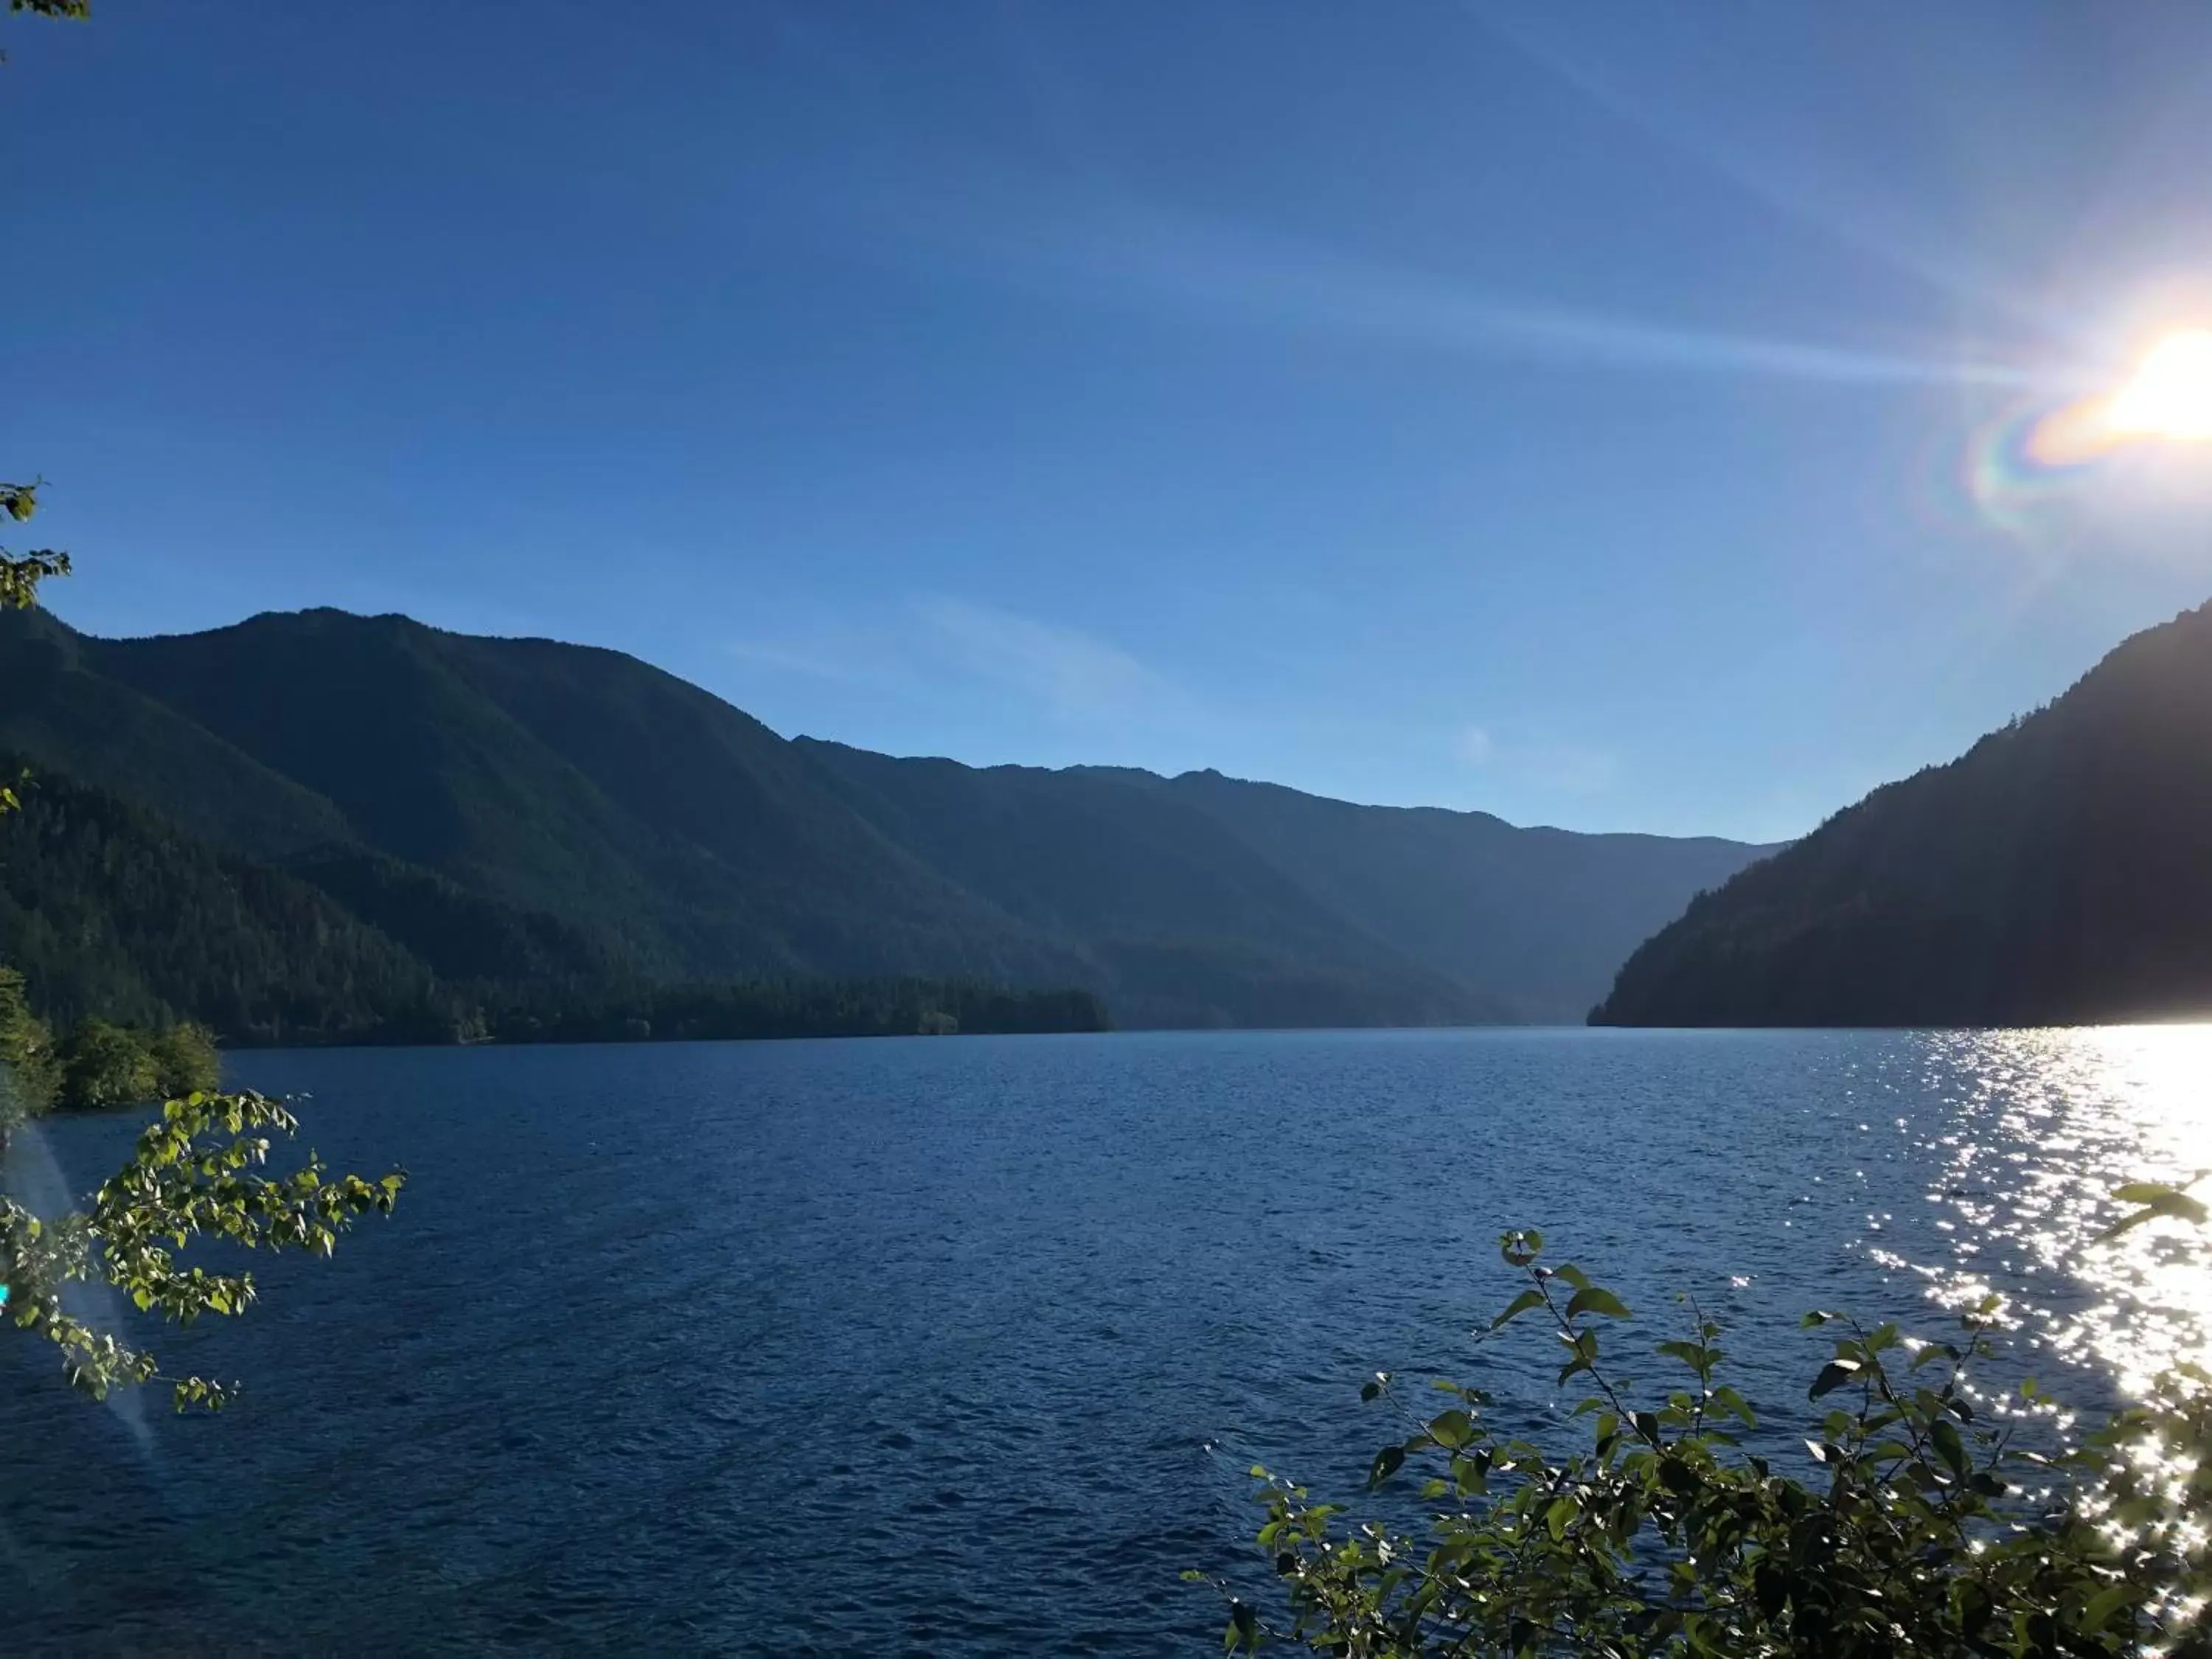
(521, 809)
(2058, 872)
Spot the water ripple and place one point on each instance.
(964, 1348)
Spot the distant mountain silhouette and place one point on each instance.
(1190, 927)
(2060, 872)
(1541, 917)
(521, 810)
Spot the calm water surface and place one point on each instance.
(961, 1347)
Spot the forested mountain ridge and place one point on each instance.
(2060, 872)
(580, 783)
(115, 913)
(623, 823)
(1534, 921)
(1543, 914)
(1190, 925)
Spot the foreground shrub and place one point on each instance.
(1915, 1525)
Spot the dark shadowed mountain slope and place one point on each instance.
(1193, 927)
(55, 707)
(522, 810)
(582, 784)
(1541, 917)
(2060, 872)
(111, 911)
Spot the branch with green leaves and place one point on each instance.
(1917, 1526)
(21, 572)
(199, 1173)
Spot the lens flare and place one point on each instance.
(2171, 395)
(2037, 449)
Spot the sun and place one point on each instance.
(2170, 395)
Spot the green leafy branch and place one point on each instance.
(21, 572)
(196, 1174)
(1917, 1526)
(2154, 1201)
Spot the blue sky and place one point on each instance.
(1581, 412)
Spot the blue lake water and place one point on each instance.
(963, 1346)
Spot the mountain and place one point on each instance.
(112, 912)
(524, 812)
(1186, 922)
(1533, 923)
(1544, 916)
(580, 783)
(2060, 872)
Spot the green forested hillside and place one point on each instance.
(583, 784)
(2058, 872)
(112, 913)
(519, 813)
(58, 708)
(462, 936)
(1193, 929)
(1544, 916)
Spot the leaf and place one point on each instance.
(1519, 1305)
(1948, 1446)
(1452, 1431)
(2103, 1604)
(1597, 1299)
(1243, 1628)
(2158, 1200)
(1559, 1517)
(1833, 1375)
(1729, 1401)
(1388, 1462)
(1971, 1603)
(1520, 1247)
(2144, 1192)
(1770, 1585)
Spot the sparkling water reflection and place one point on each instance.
(2033, 1131)
(963, 1348)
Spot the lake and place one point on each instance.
(963, 1346)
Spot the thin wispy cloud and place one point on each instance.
(1569, 769)
(841, 660)
(1074, 671)
(1854, 215)
(992, 224)
(938, 644)
(1250, 279)
(1234, 276)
